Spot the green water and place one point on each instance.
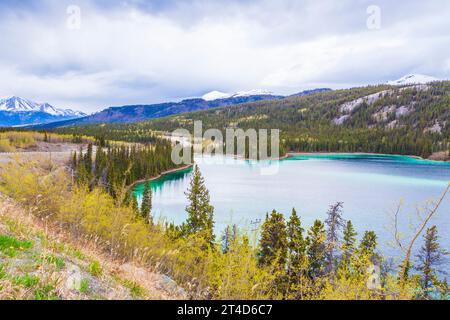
(371, 186)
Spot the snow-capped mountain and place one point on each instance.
(413, 79)
(19, 111)
(215, 95)
(17, 104)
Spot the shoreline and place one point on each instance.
(321, 153)
(160, 175)
(287, 156)
(294, 154)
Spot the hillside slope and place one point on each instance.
(384, 119)
(39, 264)
(135, 113)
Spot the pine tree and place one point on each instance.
(229, 237)
(368, 246)
(200, 211)
(273, 242)
(349, 241)
(146, 206)
(430, 256)
(296, 242)
(134, 203)
(334, 223)
(296, 251)
(88, 158)
(316, 249)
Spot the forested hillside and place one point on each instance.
(385, 119)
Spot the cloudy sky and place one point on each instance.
(89, 55)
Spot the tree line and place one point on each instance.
(116, 168)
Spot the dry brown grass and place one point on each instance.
(116, 281)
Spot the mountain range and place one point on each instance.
(16, 111)
(135, 113)
(401, 119)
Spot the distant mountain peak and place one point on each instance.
(19, 111)
(215, 95)
(413, 79)
(18, 104)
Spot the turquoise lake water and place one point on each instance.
(370, 186)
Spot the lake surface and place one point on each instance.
(370, 186)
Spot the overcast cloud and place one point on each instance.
(128, 52)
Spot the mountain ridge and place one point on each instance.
(17, 111)
(135, 113)
(407, 120)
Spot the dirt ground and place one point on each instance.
(440, 156)
(56, 152)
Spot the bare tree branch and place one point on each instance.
(413, 240)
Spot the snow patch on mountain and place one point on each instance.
(255, 92)
(413, 79)
(215, 95)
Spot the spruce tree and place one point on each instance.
(273, 242)
(316, 249)
(296, 243)
(430, 256)
(229, 237)
(368, 245)
(134, 204)
(349, 241)
(296, 267)
(200, 211)
(146, 206)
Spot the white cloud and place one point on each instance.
(140, 53)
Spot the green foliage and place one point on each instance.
(349, 241)
(368, 244)
(45, 292)
(10, 245)
(316, 251)
(273, 243)
(2, 271)
(430, 256)
(26, 280)
(118, 167)
(58, 262)
(229, 237)
(95, 269)
(146, 207)
(200, 211)
(297, 259)
(136, 290)
(84, 286)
